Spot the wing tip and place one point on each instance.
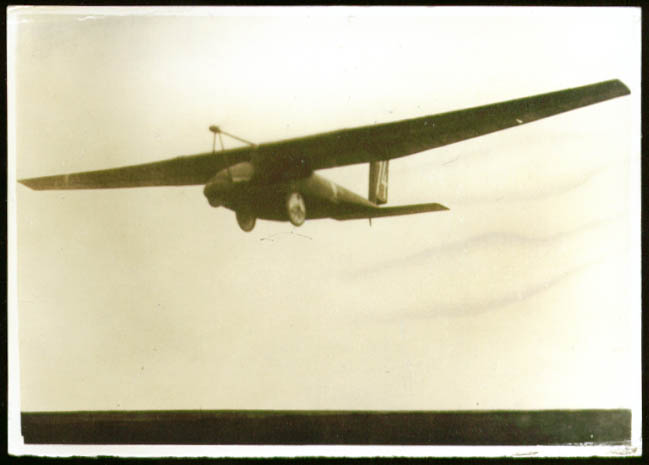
(28, 182)
(45, 183)
(621, 87)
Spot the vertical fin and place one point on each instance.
(378, 185)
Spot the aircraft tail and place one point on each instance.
(378, 192)
(378, 212)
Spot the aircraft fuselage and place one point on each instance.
(241, 189)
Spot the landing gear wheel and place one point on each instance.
(246, 220)
(295, 208)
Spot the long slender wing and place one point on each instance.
(376, 212)
(401, 138)
(297, 157)
(187, 170)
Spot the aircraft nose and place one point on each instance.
(217, 188)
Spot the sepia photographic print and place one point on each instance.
(307, 231)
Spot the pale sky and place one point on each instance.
(524, 295)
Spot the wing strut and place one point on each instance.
(217, 130)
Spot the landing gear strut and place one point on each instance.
(295, 208)
(246, 220)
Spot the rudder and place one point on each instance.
(378, 187)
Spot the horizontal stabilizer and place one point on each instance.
(392, 211)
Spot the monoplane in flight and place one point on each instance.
(278, 180)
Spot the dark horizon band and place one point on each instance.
(321, 427)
